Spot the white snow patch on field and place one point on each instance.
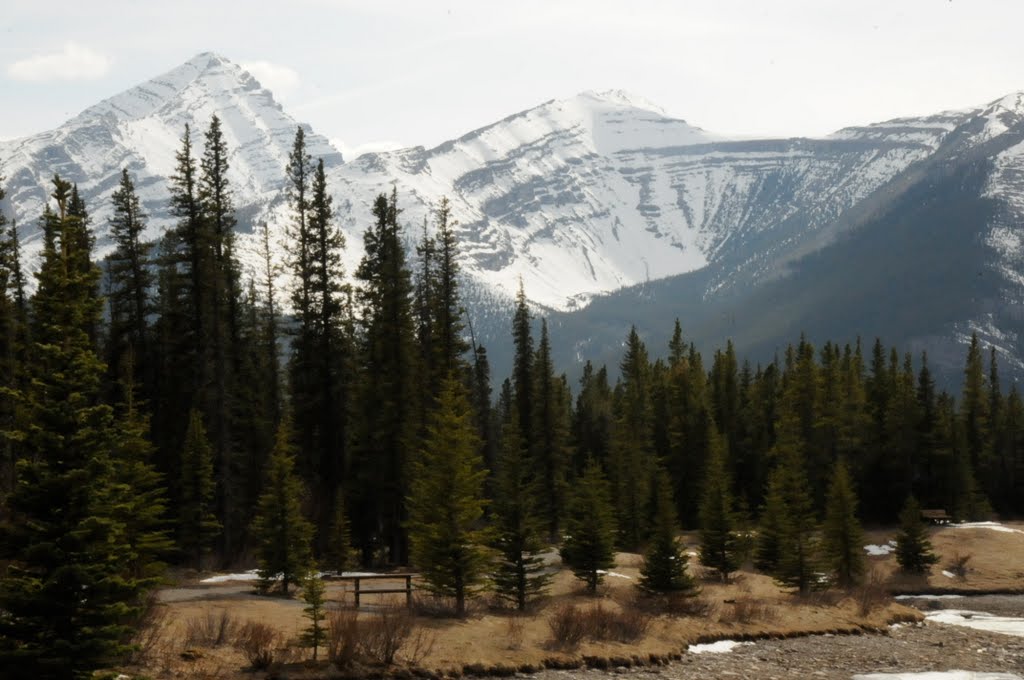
(719, 647)
(880, 550)
(1007, 625)
(994, 526)
(253, 575)
(613, 573)
(939, 675)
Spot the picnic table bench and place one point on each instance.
(359, 591)
(936, 516)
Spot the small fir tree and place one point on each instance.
(314, 595)
(768, 549)
(339, 537)
(588, 546)
(843, 538)
(913, 549)
(446, 501)
(282, 532)
(198, 526)
(519, 573)
(665, 563)
(719, 547)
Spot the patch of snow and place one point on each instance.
(994, 526)
(948, 574)
(613, 573)
(926, 596)
(253, 575)
(879, 550)
(1007, 625)
(938, 675)
(719, 647)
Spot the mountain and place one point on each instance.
(611, 212)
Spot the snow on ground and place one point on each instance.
(994, 526)
(880, 550)
(613, 573)
(948, 574)
(253, 575)
(1007, 625)
(927, 596)
(719, 647)
(939, 675)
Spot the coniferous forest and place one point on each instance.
(159, 407)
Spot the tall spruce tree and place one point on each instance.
(842, 536)
(283, 534)
(198, 527)
(550, 452)
(128, 284)
(67, 592)
(446, 502)
(588, 546)
(519, 573)
(719, 546)
(387, 403)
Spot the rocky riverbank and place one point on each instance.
(907, 648)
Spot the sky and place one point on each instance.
(382, 73)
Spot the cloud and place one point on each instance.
(352, 152)
(280, 80)
(74, 62)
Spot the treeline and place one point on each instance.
(159, 406)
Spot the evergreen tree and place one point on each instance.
(198, 526)
(519, 575)
(522, 366)
(387, 400)
(128, 284)
(446, 501)
(664, 569)
(719, 547)
(768, 550)
(843, 538)
(67, 593)
(588, 543)
(797, 549)
(913, 549)
(282, 532)
(550, 452)
(338, 552)
(314, 595)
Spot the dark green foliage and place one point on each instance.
(719, 545)
(589, 540)
(519, 572)
(842, 536)
(197, 525)
(797, 545)
(550, 449)
(665, 562)
(446, 503)
(387, 402)
(67, 592)
(913, 548)
(338, 554)
(283, 534)
(314, 595)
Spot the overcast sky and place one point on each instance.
(373, 73)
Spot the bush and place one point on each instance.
(149, 630)
(342, 636)
(514, 625)
(747, 610)
(872, 594)
(257, 641)
(673, 604)
(212, 630)
(568, 627)
(958, 566)
(382, 637)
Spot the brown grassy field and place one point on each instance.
(191, 616)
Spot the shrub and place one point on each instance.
(958, 565)
(568, 627)
(257, 641)
(212, 630)
(747, 610)
(872, 594)
(151, 626)
(342, 636)
(382, 637)
(514, 625)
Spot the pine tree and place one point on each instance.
(197, 526)
(283, 534)
(588, 543)
(67, 593)
(128, 283)
(913, 549)
(446, 503)
(664, 569)
(550, 452)
(843, 538)
(387, 402)
(768, 550)
(519, 575)
(314, 595)
(338, 553)
(719, 547)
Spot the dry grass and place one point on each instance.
(213, 630)
(872, 594)
(150, 632)
(516, 623)
(746, 610)
(259, 643)
(571, 624)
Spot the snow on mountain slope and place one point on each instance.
(141, 129)
(575, 197)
